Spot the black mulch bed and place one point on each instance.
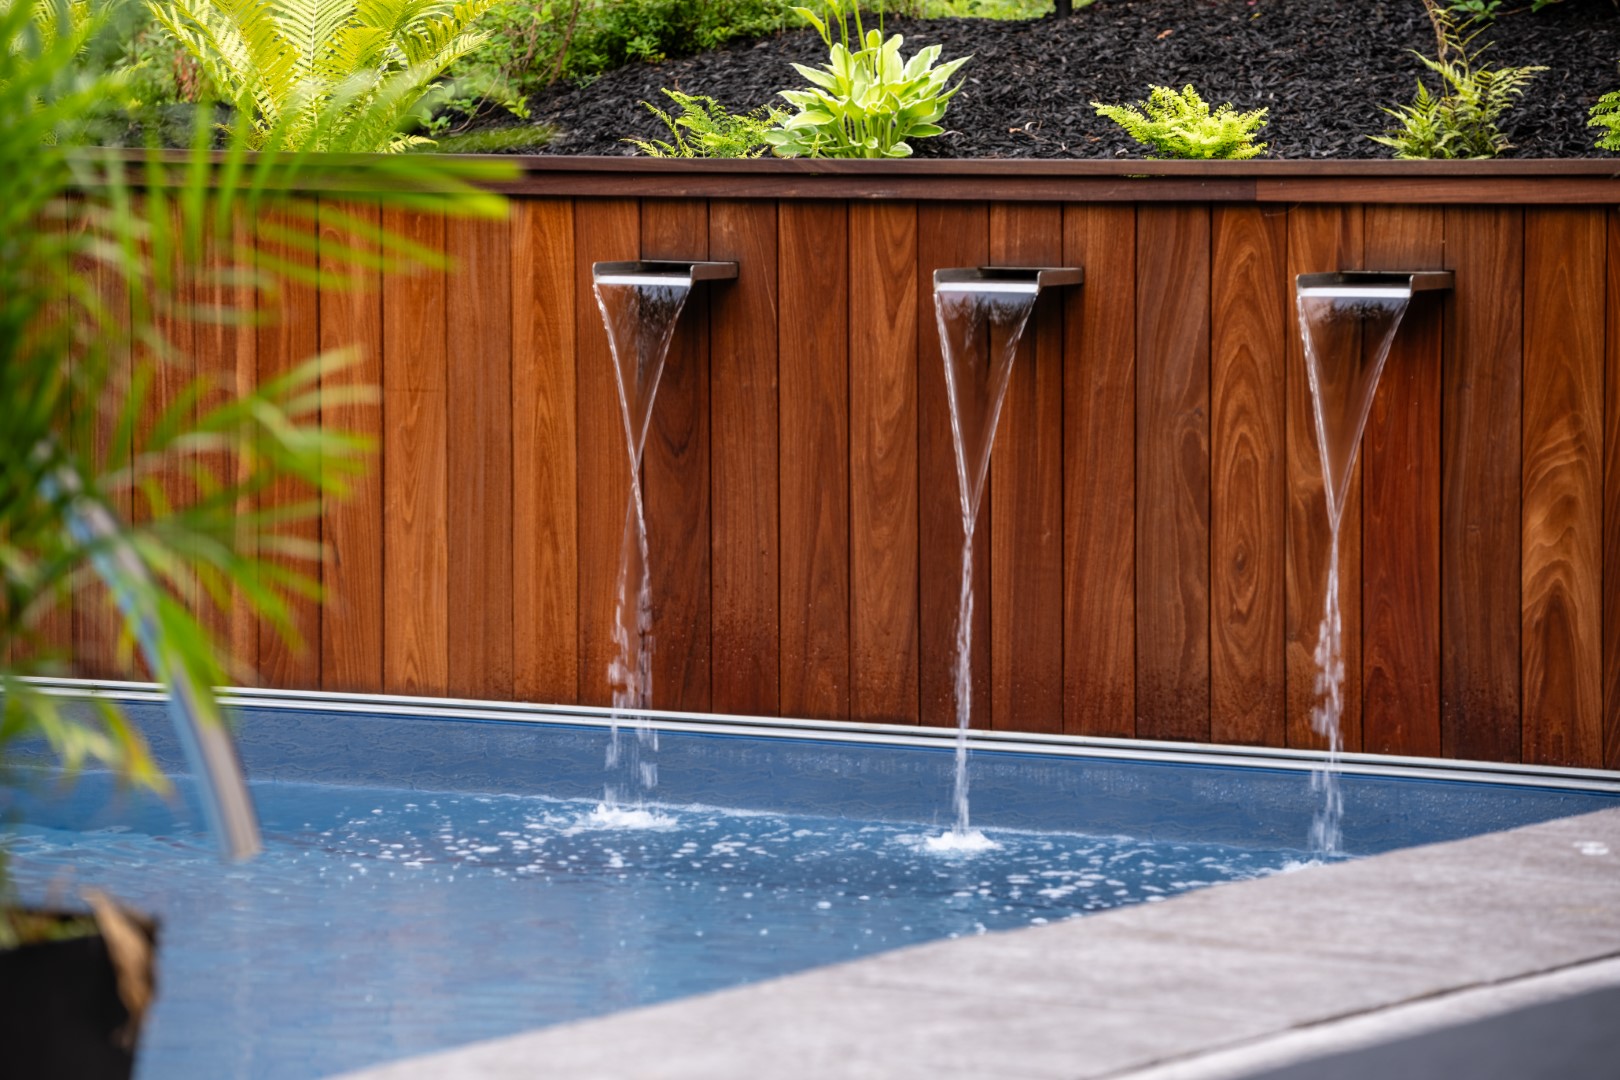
(1323, 68)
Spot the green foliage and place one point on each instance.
(533, 43)
(329, 75)
(866, 102)
(706, 129)
(975, 9)
(517, 139)
(1182, 126)
(103, 256)
(1476, 10)
(1606, 115)
(1462, 121)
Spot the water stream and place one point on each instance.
(1347, 332)
(640, 317)
(980, 324)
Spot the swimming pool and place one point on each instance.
(434, 874)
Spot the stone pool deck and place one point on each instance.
(1229, 981)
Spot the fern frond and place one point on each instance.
(1182, 125)
(325, 74)
(311, 29)
(1606, 115)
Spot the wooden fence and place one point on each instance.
(1152, 552)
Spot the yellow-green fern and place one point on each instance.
(328, 75)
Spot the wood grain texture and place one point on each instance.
(676, 470)
(1611, 506)
(604, 231)
(1480, 506)
(745, 551)
(883, 315)
(1320, 238)
(948, 235)
(478, 309)
(1099, 474)
(352, 525)
(1400, 524)
(1248, 348)
(813, 360)
(226, 344)
(1562, 513)
(545, 499)
(289, 335)
(1172, 472)
(416, 656)
(1026, 463)
(96, 624)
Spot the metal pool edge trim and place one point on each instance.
(903, 735)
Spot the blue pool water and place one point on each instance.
(428, 883)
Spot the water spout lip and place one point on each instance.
(1373, 284)
(1017, 280)
(684, 272)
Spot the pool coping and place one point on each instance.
(1126, 992)
(985, 740)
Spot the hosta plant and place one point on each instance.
(332, 75)
(866, 101)
(1182, 125)
(706, 129)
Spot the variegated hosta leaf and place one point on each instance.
(867, 99)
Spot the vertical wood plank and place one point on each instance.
(352, 525)
(415, 445)
(813, 357)
(1562, 496)
(1172, 462)
(1026, 605)
(545, 502)
(1480, 460)
(1099, 471)
(1320, 238)
(288, 336)
(96, 625)
(605, 230)
(676, 472)
(1400, 469)
(1611, 506)
(883, 461)
(479, 349)
(227, 358)
(948, 235)
(52, 629)
(1249, 347)
(742, 393)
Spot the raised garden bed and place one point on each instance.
(1324, 69)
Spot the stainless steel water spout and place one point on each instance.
(1373, 284)
(685, 272)
(1025, 280)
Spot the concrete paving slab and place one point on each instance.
(1124, 990)
(1246, 1060)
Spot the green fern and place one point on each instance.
(1463, 121)
(325, 75)
(1606, 114)
(1182, 126)
(706, 129)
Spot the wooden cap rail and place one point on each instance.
(1544, 182)
(1548, 182)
